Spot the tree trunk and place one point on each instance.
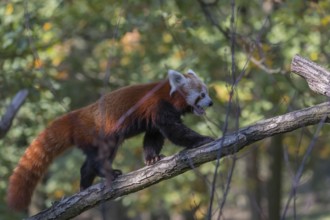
(274, 186)
(253, 186)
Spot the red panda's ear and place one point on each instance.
(176, 80)
(191, 72)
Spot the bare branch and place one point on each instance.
(317, 77)
(209, 16)
(259, 63)
(11, 111)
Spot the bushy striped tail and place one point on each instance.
(34, 163)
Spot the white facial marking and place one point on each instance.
(191, 72)
(193, 88)
(197, 94)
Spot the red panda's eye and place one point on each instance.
(203, 95)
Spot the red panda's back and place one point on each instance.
(120, 107)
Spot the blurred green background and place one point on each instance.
(64, 51)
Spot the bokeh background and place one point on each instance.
(68, 53)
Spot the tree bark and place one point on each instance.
(11, 111)
(317, 77)
(274, 186)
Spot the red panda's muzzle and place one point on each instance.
(200, 110)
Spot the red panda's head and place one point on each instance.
(192, 88)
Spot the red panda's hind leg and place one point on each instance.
(95, 166)
(115, 173)
(152, 145)
(87, 175)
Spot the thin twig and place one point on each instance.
(208, 14)
(234, 80)
(35, 54)
(302, 165)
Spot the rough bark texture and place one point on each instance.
(11, 111)
(318, 80)
(317, 77)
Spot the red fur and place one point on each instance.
(80, 127)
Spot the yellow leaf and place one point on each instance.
(325, 21)
(131, 41)
(9, 9)
(221, 91)
(125, 61)
(314, 56)
(62, 75)
(59, 194)
(37, 63)
(57, 60)
(325, 152)
(47, 26)
(167, 38)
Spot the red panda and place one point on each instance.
(153, 108)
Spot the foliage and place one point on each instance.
(69, 53)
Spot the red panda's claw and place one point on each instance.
(152, 160)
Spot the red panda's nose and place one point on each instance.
(210, 103)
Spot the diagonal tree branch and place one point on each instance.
(185, 160)
(317, 77)
(8, 117)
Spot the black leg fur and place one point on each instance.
(87, 175)
(95, 166)
(170, 125)
(181, 135)
(152, 145)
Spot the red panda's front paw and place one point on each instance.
(150, 160)
(115, 173)
(209, 139)
(206, 140)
